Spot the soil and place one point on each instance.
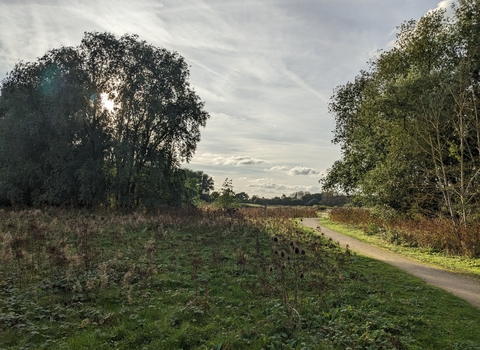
(462, 286)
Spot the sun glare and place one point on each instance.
(107, 103)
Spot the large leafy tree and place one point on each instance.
(60, 143)
(409, 127)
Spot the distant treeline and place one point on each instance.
(298, 198)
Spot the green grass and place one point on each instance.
(455, 263)
(190, 279)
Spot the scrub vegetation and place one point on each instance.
(190, 278)
(428, 240)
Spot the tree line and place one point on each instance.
(107, 122)
(300, 198)
(409, 126)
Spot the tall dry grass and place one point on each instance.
(438, 234)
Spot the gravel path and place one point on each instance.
(459, 285)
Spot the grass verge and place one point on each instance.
(455, 263)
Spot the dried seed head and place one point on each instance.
(276, 252)
(301, 275)
(297, 250)
(275, 238)
(282, 254)
(288, 257)
(271, 268)
(303, 252)
(291, 244)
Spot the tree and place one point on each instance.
(227, 200)
(60, 143)
(409, 127)
(203, 181)
(242, 197)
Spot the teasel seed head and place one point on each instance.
(303, 252)
(297, 250)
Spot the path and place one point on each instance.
(459, 285)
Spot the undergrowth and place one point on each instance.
(184, 279)
(436, 234)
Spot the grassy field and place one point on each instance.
(199, 279)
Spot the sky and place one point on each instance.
(265, 70)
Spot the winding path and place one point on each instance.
(463, 287)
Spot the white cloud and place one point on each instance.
(300, 170)
(288, 188)
(445, 5)
(237, 160)
(277, 168)
(302, 84)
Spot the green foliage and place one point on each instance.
(408, 127)
(242, 197)
(59, 143)
(227, 199)
(203, 183)
(303, 199)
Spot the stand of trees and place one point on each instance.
(409, 127)
(59, 143)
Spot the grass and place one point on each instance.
(455, 263)
(187, 279)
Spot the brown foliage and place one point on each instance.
(438, 234)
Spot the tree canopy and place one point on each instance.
(409, 127)
(108, 121)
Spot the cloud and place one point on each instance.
(300, 170)
(277, 168)
(445, 5)
(237, 160)
(302, 84)
(289, 188)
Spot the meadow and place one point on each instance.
(203, 279)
